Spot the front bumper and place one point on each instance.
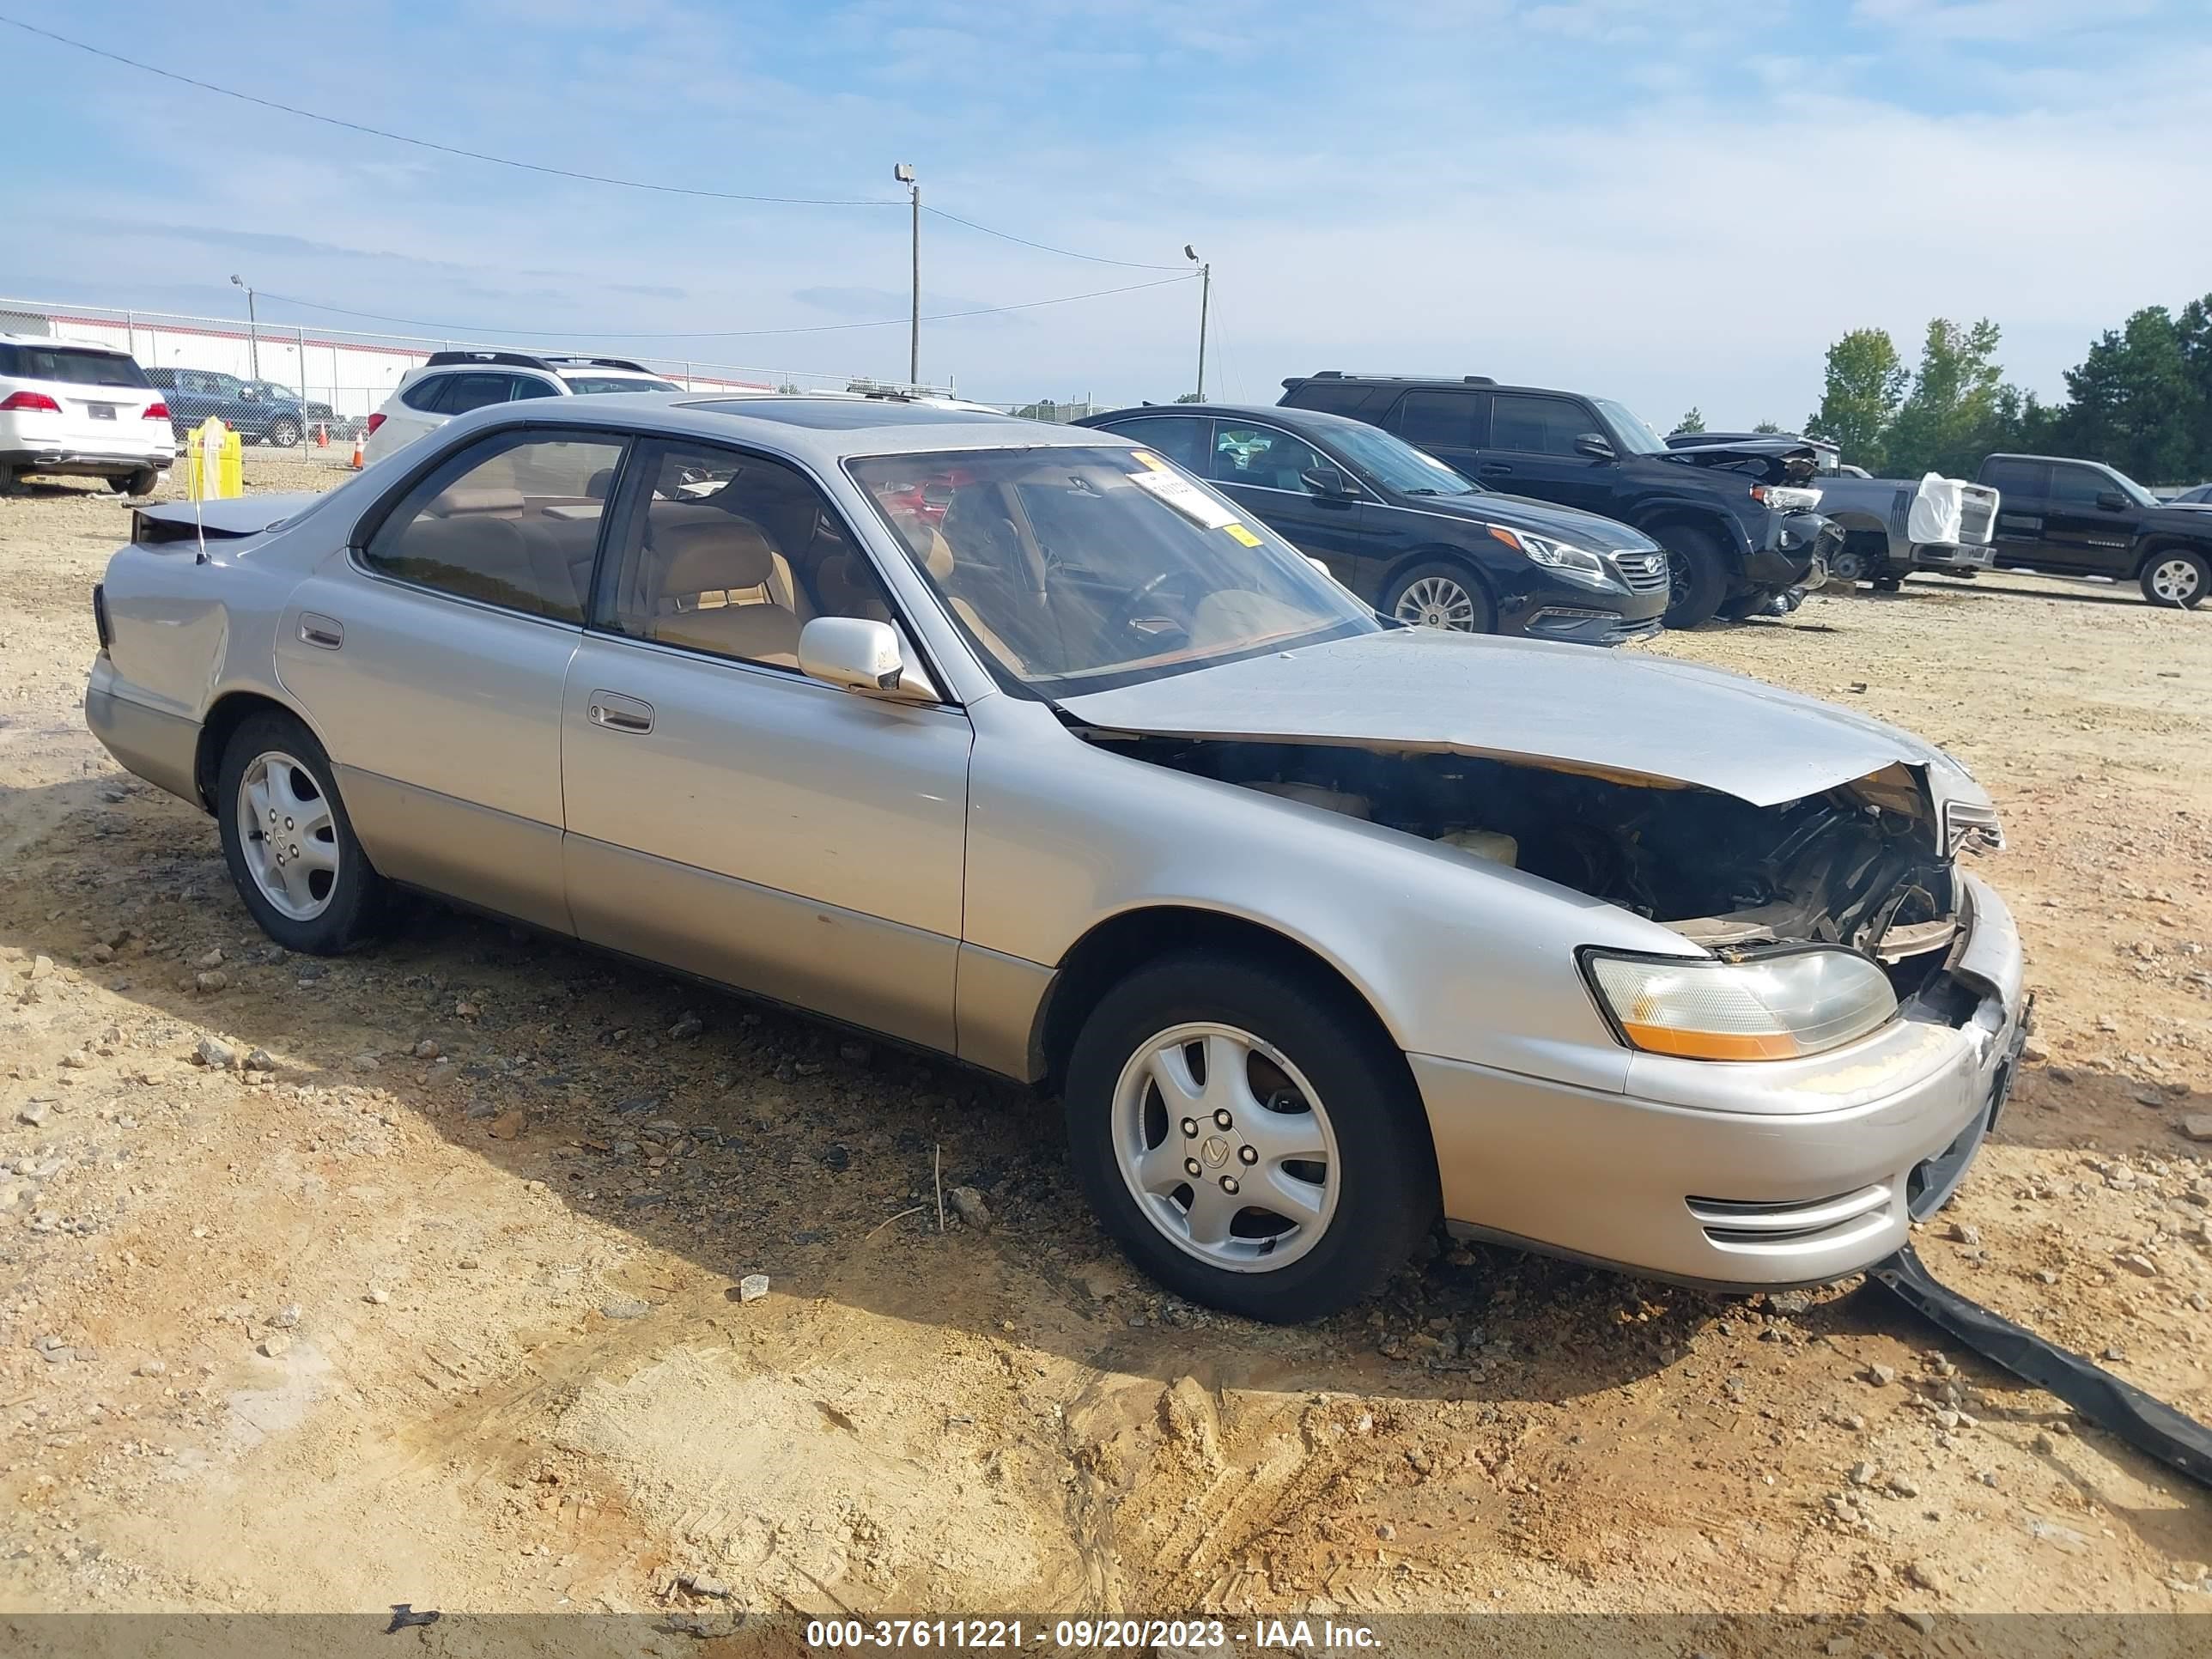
(1748, 1176)
(1544, 606)
(1797, 545)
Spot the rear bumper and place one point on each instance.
(77, 460)
(1737, 1175)
(158, 746)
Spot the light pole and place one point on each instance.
(904, 174)
(1204, 294)
(252, 328)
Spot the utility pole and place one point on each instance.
(252, 328)
(904, 174)
(1205, 296)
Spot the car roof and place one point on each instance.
(1285, 414)
(823, 430)
(1429, 383)
(51, 342)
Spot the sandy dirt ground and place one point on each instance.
(414, 1276)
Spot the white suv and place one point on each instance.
(452, 383)
(70, 408)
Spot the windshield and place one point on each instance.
(1397, 464)
(1636, 436)
(1081, 570)
(591, 383)
(273, 391)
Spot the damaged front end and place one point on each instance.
(1868, 864)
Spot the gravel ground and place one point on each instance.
(415, 1276)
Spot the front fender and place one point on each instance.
(1468, 960)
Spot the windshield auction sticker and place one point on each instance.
(1186, 497)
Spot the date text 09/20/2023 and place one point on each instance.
(1088, 1634)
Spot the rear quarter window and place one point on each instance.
(1361, 402)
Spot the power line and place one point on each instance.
(446, 149)
(554, 172)
(1068, 253)
(718, 334)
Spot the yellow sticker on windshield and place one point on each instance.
(1242, 534)
(1146, 458)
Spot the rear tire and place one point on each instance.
(1315, 1179)
(2176, 578)
(1442, 593)
(140, 483)
(327, 902)
(284, 432)
(1697, 574)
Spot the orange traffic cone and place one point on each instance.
(322, 435)
(356, 462)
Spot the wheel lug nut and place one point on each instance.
(287, 823)
(1246, 1155)
(1190, 1128)
(1222, 1119)
(1190, 1166)
(1229, 1185)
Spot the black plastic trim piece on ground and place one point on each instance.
(2149, 1425)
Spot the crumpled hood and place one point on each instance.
(1567, 523)
(1774, 460)
(1420, 688)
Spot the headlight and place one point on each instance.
(1557, 555)
(1773, 1007)
(1786, 498)
(1970, 824)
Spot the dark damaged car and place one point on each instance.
(1739, 520)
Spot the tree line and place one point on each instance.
(2140, 400)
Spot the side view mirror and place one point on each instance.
(1326, 480)
(1595, 446)
(2111, 500)
(856, 654)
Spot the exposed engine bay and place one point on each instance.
(1862, 865)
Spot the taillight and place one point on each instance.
(26, 403)
(375, 421)
(156, 410)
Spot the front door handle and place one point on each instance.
(617, 712)
(1493, 469)
(327, 632)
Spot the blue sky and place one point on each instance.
(1673, 202)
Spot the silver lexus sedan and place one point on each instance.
(1014, 742)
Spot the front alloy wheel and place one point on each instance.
(1441, 595)
(2178, 579)
(1249, 1133)
(1227, 1150)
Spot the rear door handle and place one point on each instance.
(326, 631)
(1493, 469)
(617, 712)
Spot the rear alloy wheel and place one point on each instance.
(140, 483)
(284, 432)
(1442, 595)
(2176, 578)
(1252, 1143)
(289, 843)
(1696, 574)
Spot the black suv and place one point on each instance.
(1408, 534)
(2068, 518)
(1738, 528)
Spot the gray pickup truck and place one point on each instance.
(1892, 526)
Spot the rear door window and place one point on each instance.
(512, 521)
(1439, 419)
(1262, 457)
(1533, 425)
(2031, 479)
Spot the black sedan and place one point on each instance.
(1413, 538)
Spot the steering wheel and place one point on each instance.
(1125, 616)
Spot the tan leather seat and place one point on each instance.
(726, 591)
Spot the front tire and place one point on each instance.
(290, 846)
(1314, 1173)
(2176, 578)
(1441, 594)
(1697, 574)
